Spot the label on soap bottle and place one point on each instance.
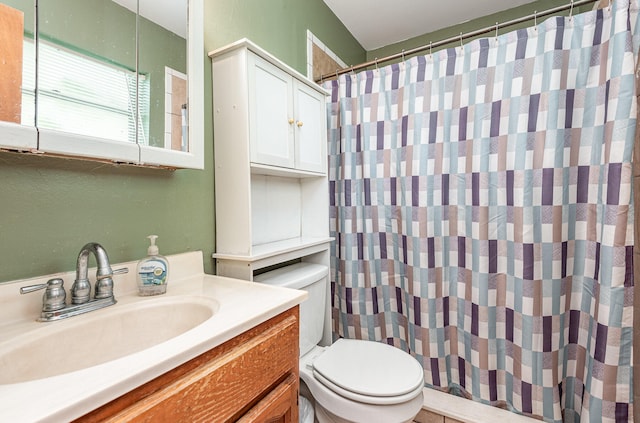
(153, 272)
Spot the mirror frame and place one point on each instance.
(32, 139)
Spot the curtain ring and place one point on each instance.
(497, 27)
(337, 76)
(535, 20)
(403, 55)
(431, 48)
(571, 11)
(376, 61)
(461, 45)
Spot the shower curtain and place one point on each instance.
(481, 204)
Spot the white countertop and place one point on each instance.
(243, 305)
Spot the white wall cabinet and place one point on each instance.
(272, 200)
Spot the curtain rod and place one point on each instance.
(460, 38)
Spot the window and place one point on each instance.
(82, 95)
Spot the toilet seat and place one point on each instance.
(369, 372)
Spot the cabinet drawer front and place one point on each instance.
(224, 388)
(279, 406)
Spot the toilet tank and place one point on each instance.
(312, 278)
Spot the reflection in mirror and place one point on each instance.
(162, 59)
(17, 62)
(87, 69)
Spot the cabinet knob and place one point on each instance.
(291, 121)
(299, 123)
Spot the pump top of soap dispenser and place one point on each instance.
(153, 248)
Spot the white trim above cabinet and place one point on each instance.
(272, 199)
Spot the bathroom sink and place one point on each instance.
(98, 337)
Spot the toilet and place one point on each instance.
(350, 380)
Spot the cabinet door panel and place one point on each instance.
(270, 114)
(277, 407)
(310, 129)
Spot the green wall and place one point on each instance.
(50, 207)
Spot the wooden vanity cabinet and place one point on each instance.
(250, 378)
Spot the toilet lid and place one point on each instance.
(370, 369)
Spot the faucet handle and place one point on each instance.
(54, 296)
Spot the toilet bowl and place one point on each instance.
(350, 380)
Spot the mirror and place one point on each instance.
(112, 80)
(165, 70)
(17, 74)
(87, 69)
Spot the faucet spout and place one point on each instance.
(81, 289)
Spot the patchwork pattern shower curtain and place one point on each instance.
(481, 202)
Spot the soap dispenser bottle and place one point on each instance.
(152, 271)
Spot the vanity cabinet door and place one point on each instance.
(270, 114)
(253, 374)
(277, 406)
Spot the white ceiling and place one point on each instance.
(170, 14)
(378, 23)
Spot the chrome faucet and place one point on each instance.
(54, 305)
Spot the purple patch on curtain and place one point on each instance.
(433, 127)
(445, 311)
(493, 256)
(462, 124)
(600, 351)
(374, 299)
(527, 262)
(483, 56)
(628, 276)
(527, 406)
(596, 271)
(405, 250)
(393, 191)
(347, 192)
(582, 184)
(416, 311)
(349, 300)
(332, 193)
(521, 47)
(383, 245)
(569, 101)
(445, 189)
(509, 187)
(380, 134)
(431, 253)
(405, 130)
(613, 183)
(368, 84)
(435, 371)
(574, 326)
(495, 118)
(360, 238)
(565, 251)
(399, 299)
(493, 385)
(462, 372)
(475, 324)
(547, 332)
(367, 192)
(509, 324)
(475, 189)
(415, 191)
(395, 76)
(547, 187)
(534, 104)
(462, 253)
